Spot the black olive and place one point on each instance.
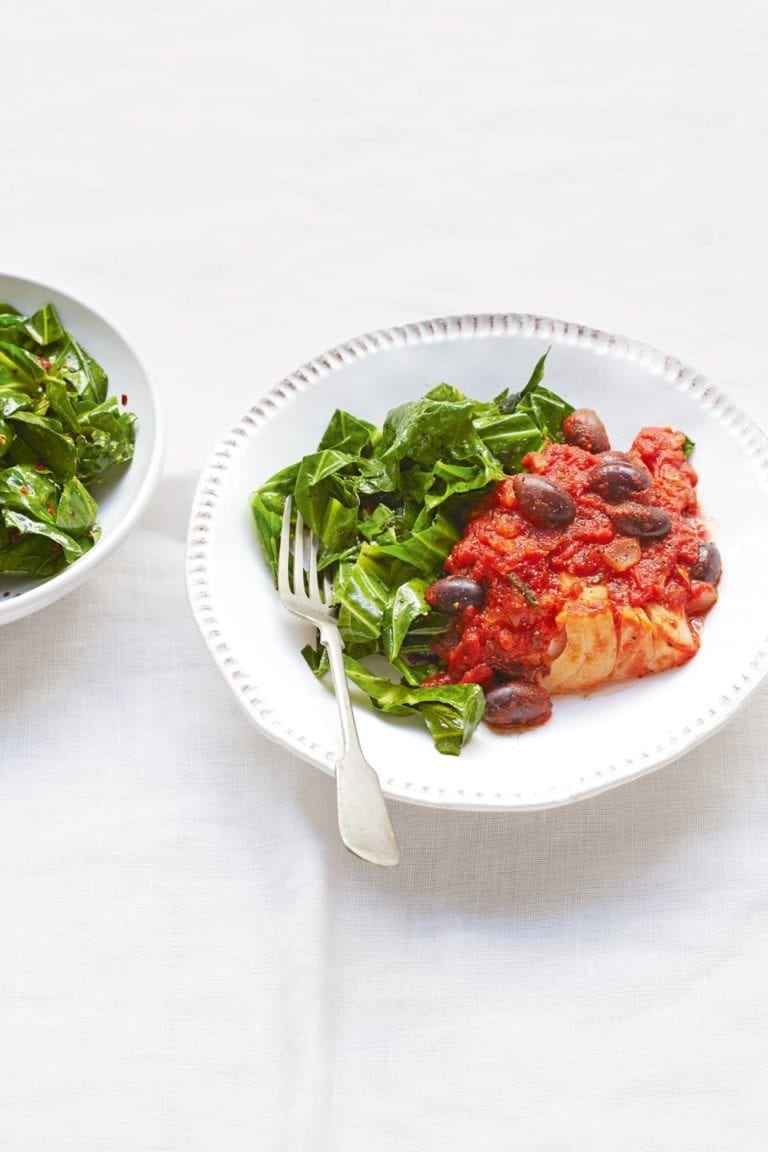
(618, 480)
(708, 566)
(644, 521)
(517, 704)
(543, 502)
(453, 594)
(584, 429)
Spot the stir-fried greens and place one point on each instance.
(387, 505)
(59, 434)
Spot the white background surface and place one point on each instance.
(188, 961)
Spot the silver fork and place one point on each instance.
(362, 813)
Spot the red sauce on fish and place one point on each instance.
(522, 566)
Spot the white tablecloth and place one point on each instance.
(189, 961)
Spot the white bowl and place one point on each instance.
(592, 742)
(123, 497)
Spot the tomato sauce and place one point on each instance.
(529, 571)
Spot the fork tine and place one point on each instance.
(283, 582)
(327, 590)
(314, 587)
(298, 556)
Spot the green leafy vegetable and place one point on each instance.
(451, 711)
(18, 365)
(402, 610)
(77, 509)
(59, 433)
(44, 439)
(546, 410)
(387, 506)
(45, 326)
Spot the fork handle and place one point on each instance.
(362, 812)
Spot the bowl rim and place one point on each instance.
(459, 326)
(53, 588)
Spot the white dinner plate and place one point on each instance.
(123, 495)
(592, 742)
